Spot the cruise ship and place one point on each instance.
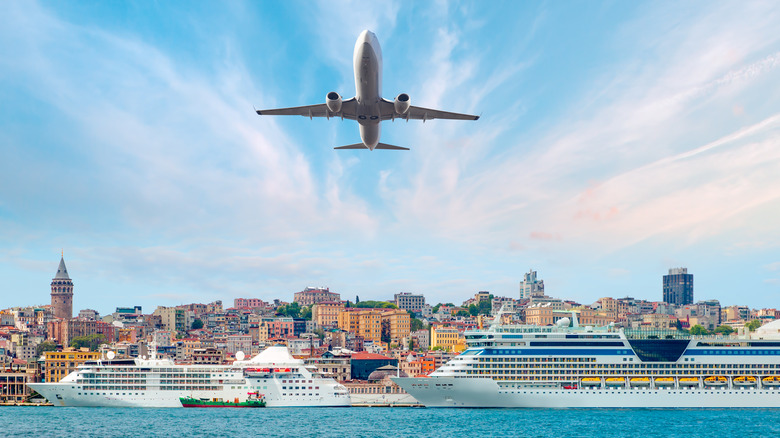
(563, 367)
(282, 380)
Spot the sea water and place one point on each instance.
(387, 422)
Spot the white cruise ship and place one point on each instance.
(283, 381)
(561, 366)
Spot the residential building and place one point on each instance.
(368, 323)
(337, 366)
(448, 338)
(678, 287)
(64, 330)
(326, 313)
(410, 301)
(249, 303)
(314, 295)
(59, 364)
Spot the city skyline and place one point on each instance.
(615, 142)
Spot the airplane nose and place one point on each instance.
(366, 36)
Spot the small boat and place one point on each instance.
(745, 381)
(639, 381)
(689, 381)
(664, 381)
(771, 381)
(716, 381)
(591, 381)
(254, 400)
(615, 381)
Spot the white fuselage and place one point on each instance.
(367, 60)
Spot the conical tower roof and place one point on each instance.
(62, 271)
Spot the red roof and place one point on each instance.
(369, 356)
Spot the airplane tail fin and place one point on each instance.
(378, 146)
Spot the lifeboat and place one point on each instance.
(615, 381)
(716, 381)
(689, 381)
(664, 381)
(591, 381)
(771, 381)
(745, 381)
(639, 381)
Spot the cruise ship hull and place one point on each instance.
(451, 392)
(69, 395)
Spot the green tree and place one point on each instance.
(306, 313)
(753, 325)
(197, 324)
(90, 341)
(698, 330)
(723, 330)
(415, 324)
(45, 346)
(462, 313)
(292, 310)
(473, 310)
(411, 344)
(385, 335)
(484, 307)
(369, 304)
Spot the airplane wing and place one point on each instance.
(348, 111)
(418, 113)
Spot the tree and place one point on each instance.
(473, 310)
(197, 324)
(385, 336)
(484, 307)
(411, 344)
(90, 341)
(415, 324)
(724, 330)
(462, 313)
(45, 346)
(292, 310)
(306, 313)
(369, 304)
(753, 325)
(698, 330)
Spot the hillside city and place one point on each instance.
(359, 343)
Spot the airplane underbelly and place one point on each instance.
(369, 133)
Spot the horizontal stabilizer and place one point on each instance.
(353, 146)
(390, 147)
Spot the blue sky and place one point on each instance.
(617, 140)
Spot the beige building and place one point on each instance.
(314, 295)
(368, 323)
(59, 364)
(326, 313)
(447, 338)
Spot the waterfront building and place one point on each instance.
(678, 287)
(363, 364)
(410, 301)
(58, 364)
(14, 377)
(531, 286)
(62, 293)
(330, 364)
(314, 295)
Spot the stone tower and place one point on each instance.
(62, 293)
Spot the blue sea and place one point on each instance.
(388, 422)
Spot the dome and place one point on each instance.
(384, 372)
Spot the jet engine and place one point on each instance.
(401, 103)
(333, 101)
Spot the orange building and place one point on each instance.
(368, 323)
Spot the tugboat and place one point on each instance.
(254, 400)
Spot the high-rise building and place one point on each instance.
(62, 293)
(678, 287)
(531, 286)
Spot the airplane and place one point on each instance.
(367, 107)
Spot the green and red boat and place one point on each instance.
(254, 400)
